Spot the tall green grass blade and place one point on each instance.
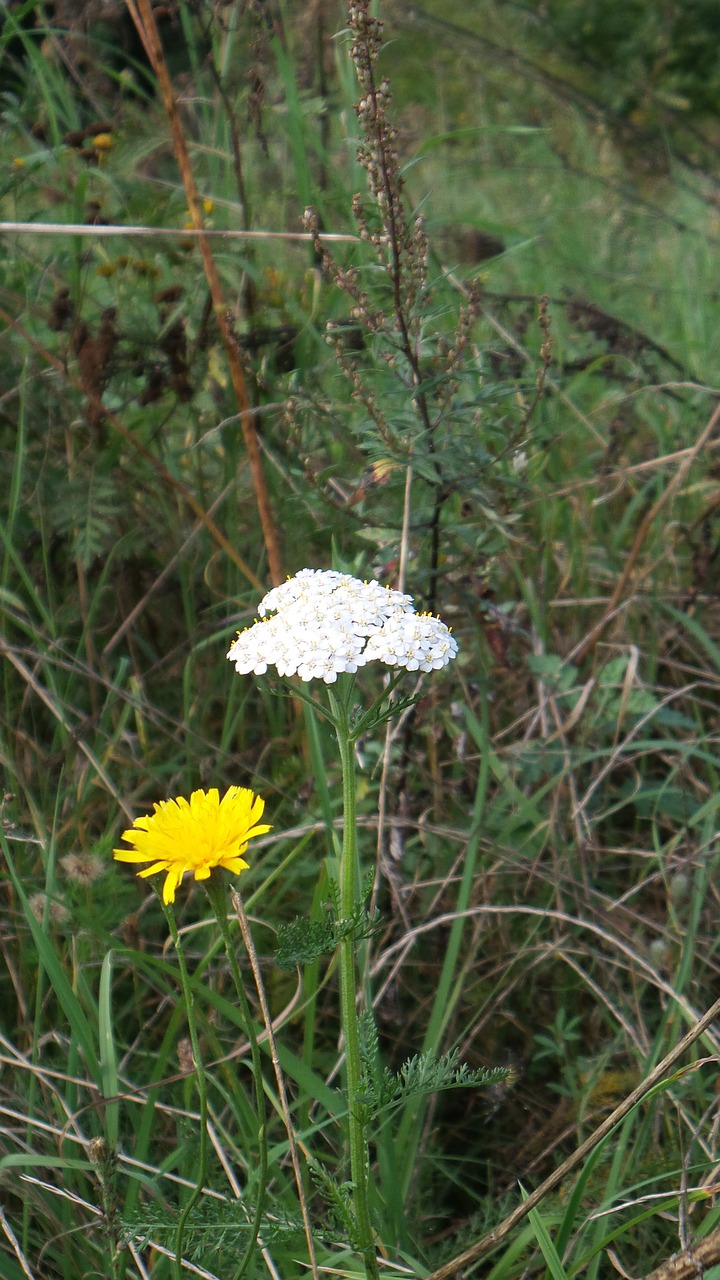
(108, 1055)
(555, 1268)
(297, 129)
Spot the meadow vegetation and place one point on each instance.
(440, 311)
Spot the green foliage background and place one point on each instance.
(549, 850)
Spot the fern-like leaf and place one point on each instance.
(88, 510)
(301, 941)
(422, 1074)
(338, 1199)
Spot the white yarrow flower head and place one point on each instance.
(325, 623)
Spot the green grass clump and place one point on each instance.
(465, 342)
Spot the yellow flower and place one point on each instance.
(196, 836)
(102, 142)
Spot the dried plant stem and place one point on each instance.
(143, 17)
(282, 1092)
(453, 1270)
(216, 894)
(95, 231)
(405, 535)
(357, 1135)
(406, 246)
(15, 1246)
(691, 1263)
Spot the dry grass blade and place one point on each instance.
(15, 1245)
(691, 1262)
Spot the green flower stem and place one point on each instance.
(218, 901)
(359, 1155)
(201, 1088)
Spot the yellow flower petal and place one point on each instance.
(172, 881)
(236, 865)
(195, 836)
(153, 870)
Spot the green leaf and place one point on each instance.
(301, 941)
(420, 1075)
(547, 1247)
(338, 1199)
(108, 1056)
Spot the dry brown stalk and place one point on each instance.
(690, 1263)
(98, 230)
(144, 19)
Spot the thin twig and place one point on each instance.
(183, 233)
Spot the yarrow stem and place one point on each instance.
(326, 625)
(349, 877)
(201, 1088)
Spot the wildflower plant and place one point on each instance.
(320, 626)
(323, 626)
(201, 836)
